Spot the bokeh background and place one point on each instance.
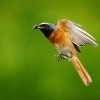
(28, 68)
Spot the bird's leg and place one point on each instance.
(60, 56)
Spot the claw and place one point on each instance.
(60, 56)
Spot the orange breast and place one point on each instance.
(60, 38)
(62, 42)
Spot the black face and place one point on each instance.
(46, 28)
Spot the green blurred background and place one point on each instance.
(28, 68)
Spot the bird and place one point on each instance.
(67, 37)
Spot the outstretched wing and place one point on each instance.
(79, 36)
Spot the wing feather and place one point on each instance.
(79, 36)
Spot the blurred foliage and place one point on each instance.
(28, 68)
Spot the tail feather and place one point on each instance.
(85, 77)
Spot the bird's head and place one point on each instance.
(46, 28)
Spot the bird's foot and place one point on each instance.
(60, 56)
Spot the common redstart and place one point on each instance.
(67, 37)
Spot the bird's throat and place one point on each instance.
(47, 33)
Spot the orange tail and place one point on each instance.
(85, 77)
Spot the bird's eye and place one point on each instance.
(47, 26)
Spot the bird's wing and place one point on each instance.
(79, 36)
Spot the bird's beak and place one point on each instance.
(38, 27)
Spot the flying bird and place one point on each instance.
(67, 36)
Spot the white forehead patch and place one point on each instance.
(43, 23)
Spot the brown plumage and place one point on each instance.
(66, 37)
